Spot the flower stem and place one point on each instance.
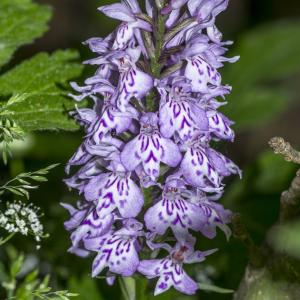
(2, 242)
(240, 232)
(159, 34)
(128, 288)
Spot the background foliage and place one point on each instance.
(34, 115)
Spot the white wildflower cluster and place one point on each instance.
(22, 218)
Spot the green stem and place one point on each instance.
(2, 242)
(128, 288)
(159, 33)
(155, 65)
(10, 294)
(256, 257)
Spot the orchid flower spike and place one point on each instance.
(153, 117)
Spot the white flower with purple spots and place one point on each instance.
(197, 169)
(114, 190)
(179, 114)
(204, 167)
(113, 120)
(85, 223)
(203, 76)
(132, 82)
(149, 149)
(129, 29)
(170, 269)
(117, 250)
(175, 212)
(216, 215)
(219, 125)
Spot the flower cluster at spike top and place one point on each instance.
(149, 178)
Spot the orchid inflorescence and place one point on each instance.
(148, 136)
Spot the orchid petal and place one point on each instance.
(118, 11)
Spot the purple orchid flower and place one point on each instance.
(202, 75)
(179, 114)
(214, 212)
(112, 119)
(205, 11)
(219, 125)
(85, 223)
(87, 171)
(117, 250)
(114, 190)
(133, 82)
(149, 148)
(197, 169)
(128, 12)
(98, 84)
(203, 167)
(203, 60)
(170, 269)
(175, 212)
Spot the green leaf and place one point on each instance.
(254, 106)
(21, 21)
(21, 183)
(213, 288)
(39, 178)
(31, 276)
(268, 53)
(274, 173)
(17, 265)
(46, 104)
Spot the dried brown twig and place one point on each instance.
(290, 199)
(280, 146)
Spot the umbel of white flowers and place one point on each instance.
(22, 218)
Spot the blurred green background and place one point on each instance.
(264, 103)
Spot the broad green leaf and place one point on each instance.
(21, 21)
(268, 53)
(40, 78)
(254, 106)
